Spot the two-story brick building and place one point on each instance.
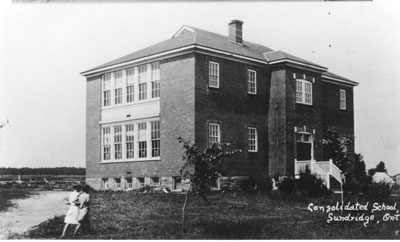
(207, 88)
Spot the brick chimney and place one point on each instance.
(235, 31)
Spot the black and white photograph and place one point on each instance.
(199, 120)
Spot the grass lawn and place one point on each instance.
(6, 195)
(128, 215)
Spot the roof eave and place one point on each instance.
(340, 80)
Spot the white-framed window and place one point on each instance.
(118, 142)
(129, 184)
(142, 140)
(118, 182)
(130, 93)
(154, 181)
(213, 74)
(155, 79)
(342, 99)
(142, 82)
(106, 144)
(214, 134)
(303, 138)
(251, 82)
(252, 139)
(140, 181)
(130, 141)
(106, 89)
(155, 139)
(303, 92)
(118, 87)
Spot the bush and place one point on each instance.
(287, 186)
(312, 186)
(379, 192)
(263, 182)
(259, 182)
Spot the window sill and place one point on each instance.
(306, 104)
(131, 160)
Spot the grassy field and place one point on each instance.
(127, 215)
(6, 195)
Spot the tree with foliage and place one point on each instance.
(379, 168)
(338, 148)
(203, 167)
(359, 167)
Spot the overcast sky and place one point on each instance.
(44, 47)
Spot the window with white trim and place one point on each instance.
(154, 181)
(251, 82)
(142, 82)
(303, 138)
(155, 80)
(117, 182)
(106, 89)
(342, 99)
(303, 92)
(118, 142)
(118, 87)
(213, 133)
(129, 182)
(130, 141)
(130, 73)
(142, 140)
(155, 139)
(106, 144)
(252, 139)
(140, 181)
(213, 74)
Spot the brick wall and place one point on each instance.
(177, 110)
(235, 110)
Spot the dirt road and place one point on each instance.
(32, 211)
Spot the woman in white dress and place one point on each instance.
(72, 216)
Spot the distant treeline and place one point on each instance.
(43, 171)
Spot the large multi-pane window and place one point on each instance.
(106, 144)
(303, 92)
(155, 139)
(142, 139)
(106, 89)
(130, 141)
(142, 82)
(118, 87)
(155, 79)
(118, 142)
(342, 99)
(251, 82)
(252, 139)
(213, 74)
(130, 73)
(213, 133)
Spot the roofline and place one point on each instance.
(352, 83)
(181, 29)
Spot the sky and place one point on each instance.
(44, 47)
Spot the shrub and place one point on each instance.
(287, 186)
(379, 192)
(263, 182)
(312, 186)
(247, 184)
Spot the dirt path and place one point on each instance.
(31, 211)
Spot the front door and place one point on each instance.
(304, 146)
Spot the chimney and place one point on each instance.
(235, 31)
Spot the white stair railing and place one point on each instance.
(335, 172)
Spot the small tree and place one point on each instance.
(338, 147)
(203, 167)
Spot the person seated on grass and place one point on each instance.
(72, 216)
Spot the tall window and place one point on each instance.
(142, 82)
(213, 74)
(130, 138)
(142, 139)
(107, 89)
(252, 139)
(118, 142)
(342, 99)
(303, 92)
(251, 82)
(213, 133)
(155, 139)
(106, 144)
(155, 79)
(129, 84)
(118, 87)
